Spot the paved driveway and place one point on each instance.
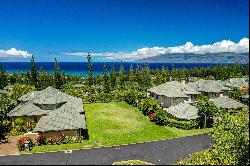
(159, 152)
(10, 147)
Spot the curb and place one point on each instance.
(104, 146)
(10, 155)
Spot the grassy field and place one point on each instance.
(118, 123)
(132, 162)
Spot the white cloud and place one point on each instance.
(14, 53)
(222, 46)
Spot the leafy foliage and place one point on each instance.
(9, 102)
(57, 76)
(182, 124)
(90, 70)
(33, 72)
(160, 117)
(3, 77)
(21, 143)
(231, 137)
(206, 110)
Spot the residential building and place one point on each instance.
(225, 102)
(210, 88)
(182, 111)
(53, 111)
(172, 93)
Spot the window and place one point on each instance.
(157, 97)
(35, 119)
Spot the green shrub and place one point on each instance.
(14, 132)
(19, 121)
(148, 106)
(160, 117)
(181, 124)
(231, 137)
(20, 90)
(21, 143)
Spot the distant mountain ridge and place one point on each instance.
(224, 57)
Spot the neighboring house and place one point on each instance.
(227, 103)
(3, 91)
(182, 111)
(78, 86)
(238, 82)
(172, 93)
(8, 88)
(193, 79)
(210, 88)
(245, 98)
(53, 111)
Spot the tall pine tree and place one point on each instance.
(105, 79)
(57, 76)
(121, 75)
(3, 77)
(90, 71)
(44, 79)
(112, 76)
(33, 75)
(28, 77)
(131, 73)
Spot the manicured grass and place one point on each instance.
(132, 162)
(118, 123)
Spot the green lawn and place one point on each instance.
(118, 123)
(132, 162)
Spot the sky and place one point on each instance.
(120, 29)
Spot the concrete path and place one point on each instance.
(10, 147)
(159, 152)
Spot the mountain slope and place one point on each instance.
(199, 58)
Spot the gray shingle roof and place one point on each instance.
(51, 95)
(183, 111)
(226, 102)
(173, 89)
(3, 91)
(246, 96)
(27, 109)
(8, 87)
(65, 118)
(66, 115)
(207, 86)
(78, 86)
(238, 82)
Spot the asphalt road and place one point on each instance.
(159, 152)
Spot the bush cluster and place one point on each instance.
(182, 124)
(231, 142)
(41, 140)
(21, 143)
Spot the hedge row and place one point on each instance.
(187, 125)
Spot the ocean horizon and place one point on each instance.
(80, 68)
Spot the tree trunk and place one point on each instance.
(205, 122)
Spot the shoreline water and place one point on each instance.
(80, 68)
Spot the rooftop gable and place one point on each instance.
(227, 103)
(183, 111)
(173, 89)
(207, 86)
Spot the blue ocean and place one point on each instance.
(80, 68)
